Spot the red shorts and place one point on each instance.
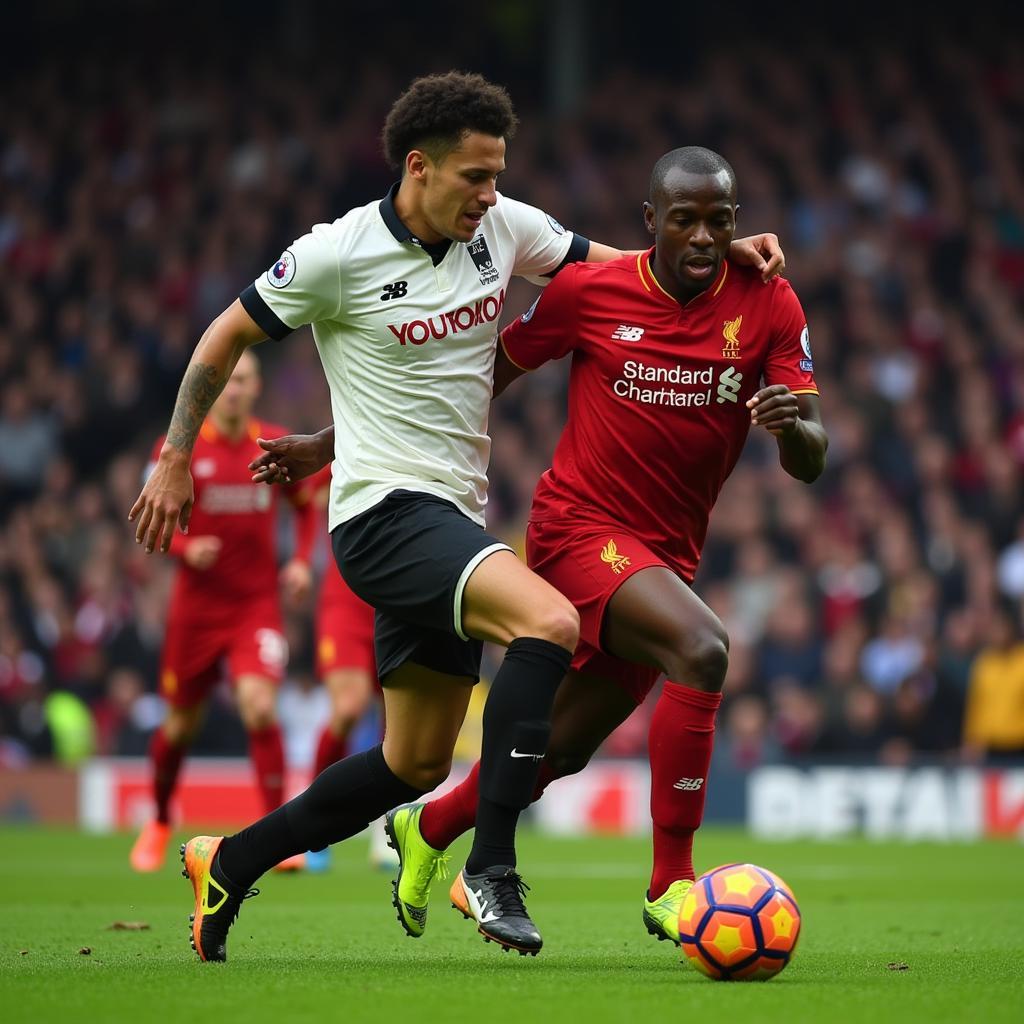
(196, 650)
(587, 563)
(344, 628)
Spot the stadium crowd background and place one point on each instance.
(141, 190)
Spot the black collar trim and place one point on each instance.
(391, 218)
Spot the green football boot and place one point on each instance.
(418, 865)
(661, 917)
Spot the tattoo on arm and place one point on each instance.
(199, 389)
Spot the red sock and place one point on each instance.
(267, 753)
(166, 759)
(680, 741)
(447, 817)
(331, 748)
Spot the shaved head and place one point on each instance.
(689, 160)
(692, 215)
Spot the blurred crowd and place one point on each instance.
(875, 615)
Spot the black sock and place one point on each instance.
(341, 801)
(517, 724)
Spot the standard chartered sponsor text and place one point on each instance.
(633, 370)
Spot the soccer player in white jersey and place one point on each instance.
(403, 295)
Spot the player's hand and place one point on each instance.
(296, 581)
(775, 408)
(201, 552)
(288, 458)
(762, 252)
(165, 502)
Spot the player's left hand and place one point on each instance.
(296, 581)
(775, 408)
(762, 252)
(289, 458)
(165, 502)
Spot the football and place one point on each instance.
(739, 922)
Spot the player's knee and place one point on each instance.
(181, 725)
(561, 763)
(426, 773)
(700, 658)
(557, 622)
(340, 724)
(258, 712)
(422, 769)
(348, 704)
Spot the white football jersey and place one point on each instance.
(408, 347)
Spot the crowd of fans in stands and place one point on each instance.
(133, 209)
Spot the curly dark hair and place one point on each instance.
(436, 113)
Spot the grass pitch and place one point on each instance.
(328, 947)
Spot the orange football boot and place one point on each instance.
(150, 848)
(291, 864)
(216, 907)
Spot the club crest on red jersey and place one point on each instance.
(610, 556)
(731, 333)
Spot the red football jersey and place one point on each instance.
(243, 515)
(657, 392)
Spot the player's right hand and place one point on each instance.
(165, 502)
(201, 552)
(287, 459)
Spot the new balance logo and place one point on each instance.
(395, 291)
(536, 757)
(729, 383)
(626, 333)
(688, 785)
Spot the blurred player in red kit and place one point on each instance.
(345, 661)
(345, 664)
(225, 610)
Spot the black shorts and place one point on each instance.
(409, 557)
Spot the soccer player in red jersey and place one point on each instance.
(224, 609)
(676, 353)
(402, 294)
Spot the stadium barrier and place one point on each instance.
(830, 802)
(44, 794)
(817, 801)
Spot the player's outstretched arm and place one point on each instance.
(762, 252)
(795, 420)
(166, 498)
(292, 457)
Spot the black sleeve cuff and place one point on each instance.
(579, 248)
(252, 302)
